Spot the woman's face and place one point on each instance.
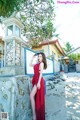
(40, 58)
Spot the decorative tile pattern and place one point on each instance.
(17, 54)
(9, 53)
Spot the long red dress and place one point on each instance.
(40, 95)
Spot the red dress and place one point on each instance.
(40, 95)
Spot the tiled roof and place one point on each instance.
(46, 42)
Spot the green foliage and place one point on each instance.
(78, 56)
(48, 29)
(74, 56)
(68, 47)
(38, 21)
(7, 7)
(36, 15)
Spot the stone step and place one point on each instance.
(11, 71)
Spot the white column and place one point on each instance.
(5, 54)
(13, 29)
(14, 52)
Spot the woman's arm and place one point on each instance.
(31, 62)
(41, 72)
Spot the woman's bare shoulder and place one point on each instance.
(42, 64)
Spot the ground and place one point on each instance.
(63, 99)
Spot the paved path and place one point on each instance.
(63, 99)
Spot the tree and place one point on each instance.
(74, 56)
(37, 16)
(39, 24)
(7, 7)
(68, 47)
(78, 56)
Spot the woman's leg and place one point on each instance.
(32, 95)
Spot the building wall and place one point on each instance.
(49, 50)
(55, 51)
(46, 50)
(52, 50)
(1, 53)
(78, 61)
(29, 70)
(1, 49)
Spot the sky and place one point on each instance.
(67, 21)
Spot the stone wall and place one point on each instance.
(11, 71)
(14, 97)
(15, 92)
(77, 67)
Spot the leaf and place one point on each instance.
(37, 0)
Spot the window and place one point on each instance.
(17, 31)
(10, 30)
(53, 54)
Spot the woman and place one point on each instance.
(37, 95)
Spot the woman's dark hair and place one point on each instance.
(43, 59)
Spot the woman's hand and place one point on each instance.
(31, 65)
(38, 85)
(33, 56)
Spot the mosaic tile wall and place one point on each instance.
(13, 53)
(9, 53)
(17, 54)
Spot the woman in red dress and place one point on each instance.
(37, 95)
